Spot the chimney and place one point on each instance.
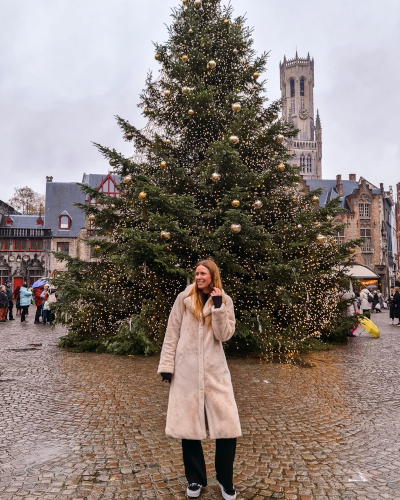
(49, 178)
(382, 189)
(339, 185)
(353, 177)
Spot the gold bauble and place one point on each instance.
(235, 203)
(167, 142)
(163, 165)
(197, 4)
(113, 162)
(215, 176)
(165, 235)
(128, 179)
(235, 51)
(146, 111)
(351, 250)
(236, 228)
(186, 90)
(236, 107)
(299, 226)
(279, 138)
(255, 75)
(226, 21)
(316, 223)
(112, 206)
(167, 93)
(129, 136)
(92, 217)
(191, 112)
(315, 198)
(234, 139)
(320, 239)
(275, 117)
(281, 167)
(258, 204)
(184, 58)
(156, 57)
(142, 195)
(97, 248)
(211, 64)
(184, 2)
(190, 31)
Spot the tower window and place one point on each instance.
(292, 93)
(302, 160)
(302, 87)
(309, 163)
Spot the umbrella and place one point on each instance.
(371, 328)
(370, 287)
(40, 282)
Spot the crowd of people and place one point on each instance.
(40, 296)
(372, 301)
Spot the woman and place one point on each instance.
(25, 300)
(366, 299)
(201, 395)
(16, 297)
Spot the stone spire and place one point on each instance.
(318, 122)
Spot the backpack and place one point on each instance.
(370, 298)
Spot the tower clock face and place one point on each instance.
(303, 113)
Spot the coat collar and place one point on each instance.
(189, 302)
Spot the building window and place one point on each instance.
(34, 275)
(8, 221)
(365, 235)
(309, 163)
(292, 93)
(339, 237)
(20, 245)
(35, 245)
(302, 160)
(5, 245)
(39, 222)
(62, 247)
(64, 222)
(364, 210)
(302, 87)
(4, 276)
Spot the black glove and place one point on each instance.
(217, 299)
(166, 376)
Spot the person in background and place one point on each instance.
(396, 302)
(366, 299)
(10, 300)
(391, 306)
(3, 304)
(16, 298)
(25, 300)
(38, 303)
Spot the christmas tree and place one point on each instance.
(210, 178)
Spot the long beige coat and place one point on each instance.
(201, 383)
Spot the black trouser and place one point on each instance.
(38, 313)
(10, 309)
(195, 467)
(24, 312)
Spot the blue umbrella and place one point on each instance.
(39, 283)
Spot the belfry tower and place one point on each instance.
(297, 87)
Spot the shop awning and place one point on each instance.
(362, 272)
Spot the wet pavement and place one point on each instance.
(76, 426)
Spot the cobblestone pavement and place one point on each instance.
(77, 426)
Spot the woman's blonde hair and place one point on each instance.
(198, 294)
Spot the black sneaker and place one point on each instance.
(227, 494)
(193, 490)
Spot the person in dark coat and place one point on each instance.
(396, 302)
(9, 293)
(3, 304)
(375, 301)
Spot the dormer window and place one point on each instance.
(9, 221)
(64, 222)
(39, 221)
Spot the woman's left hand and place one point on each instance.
(216, 292)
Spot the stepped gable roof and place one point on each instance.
(22, 222)
(60, 199)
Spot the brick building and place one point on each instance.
(367, 212)
(68, 225)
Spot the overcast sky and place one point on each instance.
(68, 66)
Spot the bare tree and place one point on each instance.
(27, 201)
